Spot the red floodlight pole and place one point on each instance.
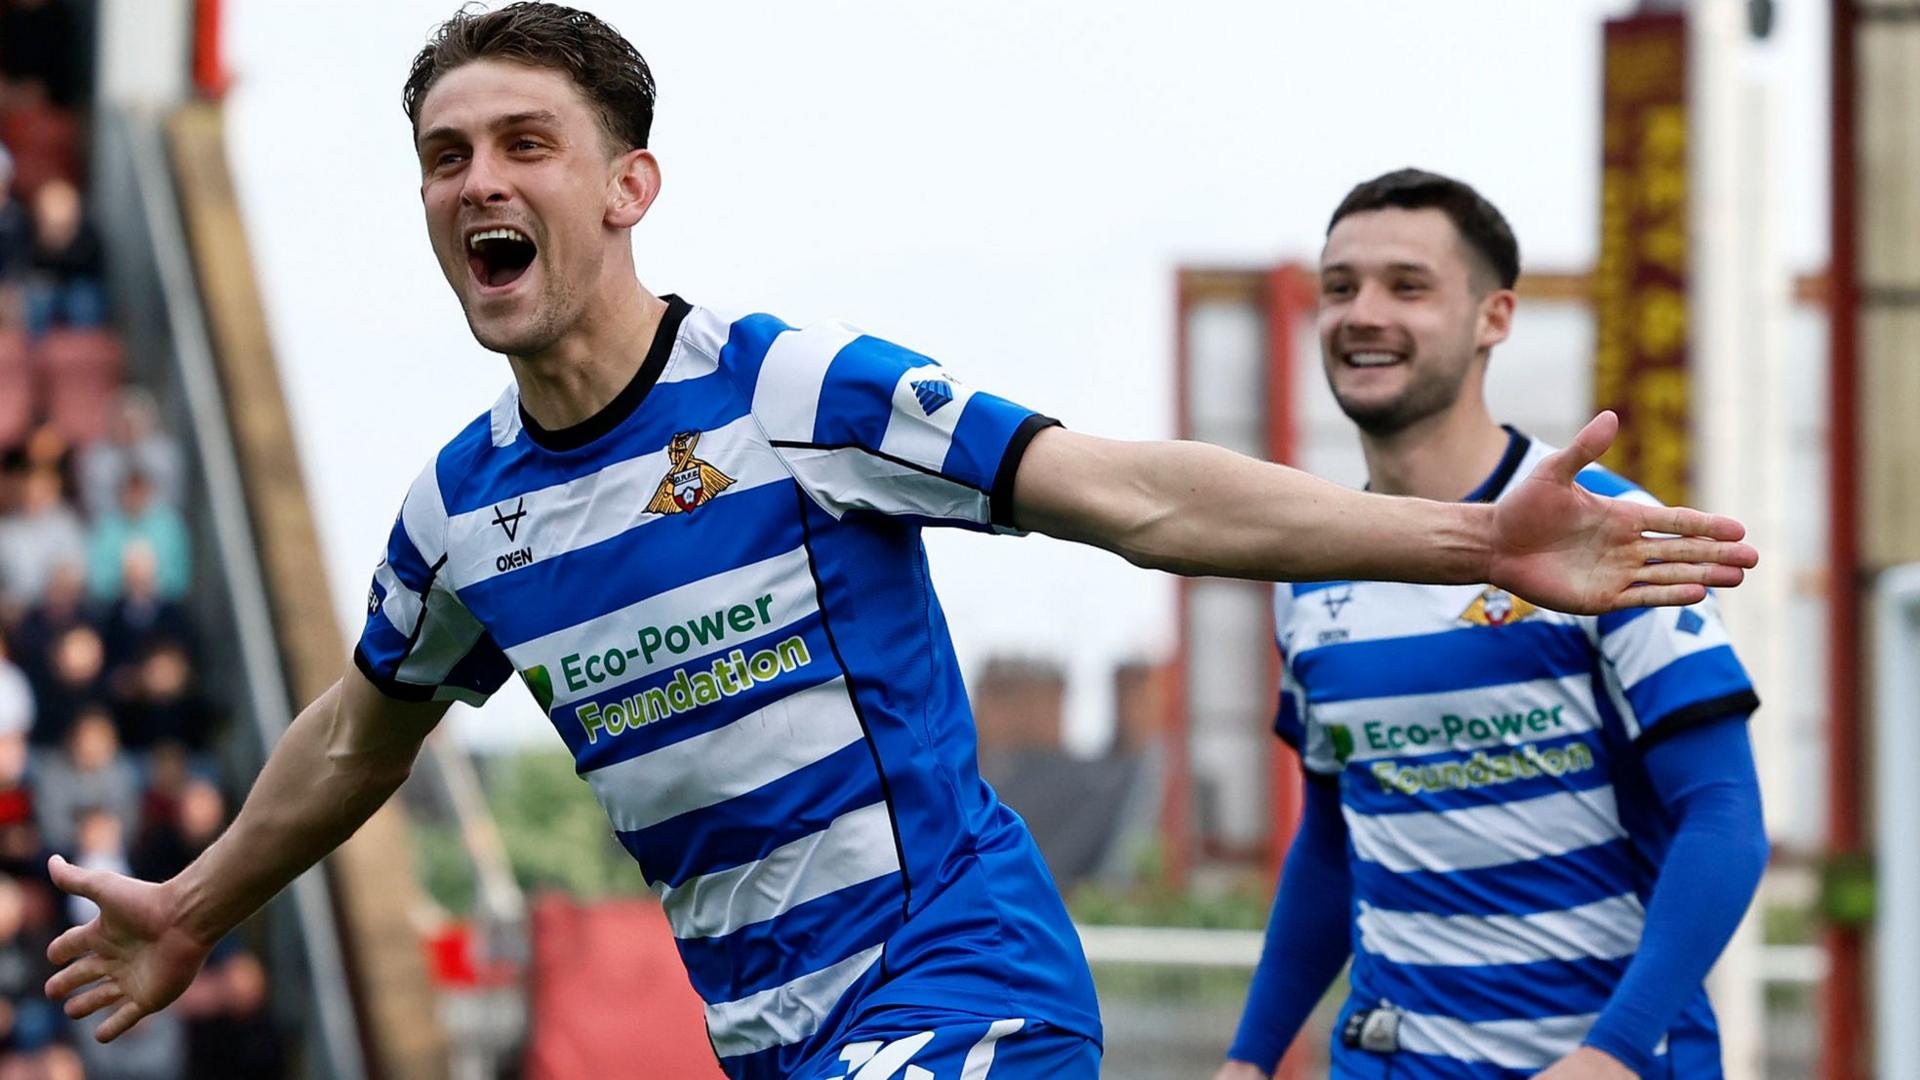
(210, 76)
(1844, 1006)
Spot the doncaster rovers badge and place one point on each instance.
(1496, 607)
(689, 481)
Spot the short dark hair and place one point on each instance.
(605, 66)
(1481, 226)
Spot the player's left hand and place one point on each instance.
(1563, 547)
(1587, 1063)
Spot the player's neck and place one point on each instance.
(1443, 457)
(585, 370)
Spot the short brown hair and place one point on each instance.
(605, 66)
(1480, 224)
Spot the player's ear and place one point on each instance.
(1496, 318)
(631, 188)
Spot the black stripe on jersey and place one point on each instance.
(1740, 703)
(628, 399)
(853, 698)
(393, 687)
(797, 444)
(1496, 485)
(1000, 499)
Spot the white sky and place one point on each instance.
(1002, 184)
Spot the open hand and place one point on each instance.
(1565, 548)
(134, 954)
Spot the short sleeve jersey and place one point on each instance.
(716, 589)
(1503, 835)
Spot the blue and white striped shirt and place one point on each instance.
(1503, 836)
(717, 590)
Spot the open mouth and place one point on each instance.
(498, 257)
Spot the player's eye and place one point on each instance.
(447, 157)
(1336, 289)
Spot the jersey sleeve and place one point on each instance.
(1673, 668)
(866, 425)
(420, 642)
(1668, 669)
(1293, 720)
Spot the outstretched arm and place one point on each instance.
(1197, 509)
(339, 760)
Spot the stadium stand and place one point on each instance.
(107, 736)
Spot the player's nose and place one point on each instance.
(483, 183)
(1368, 307)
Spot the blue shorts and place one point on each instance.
(900, 1044)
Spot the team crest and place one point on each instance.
(689, 481)
(1496, 607)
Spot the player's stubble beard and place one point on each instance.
(1437, 373)
(1432, 390)
(555, 312)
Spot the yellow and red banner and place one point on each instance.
(1640, 365)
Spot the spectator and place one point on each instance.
(155, 1049)
(40, 53)
(165, 851)
(99, 843)
(63, 607)
(167, 778)
(66, 282)
(31, 1027)
(233, 1033)
(74, 679)
(22, 854)
(47, 448)
(16, 232)
(133, 443)
(13, 475)
(141, 620)
(35, 541)
(92, 774)
(166, 708)
(139, 519)
(16, 698)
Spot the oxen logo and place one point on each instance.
(1336, 597)
(689, 481)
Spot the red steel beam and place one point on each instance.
(1843, 1001)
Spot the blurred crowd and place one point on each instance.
(105, 733)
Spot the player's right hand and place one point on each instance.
(1239, 1070)
(134, 954)
(1567, 549)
